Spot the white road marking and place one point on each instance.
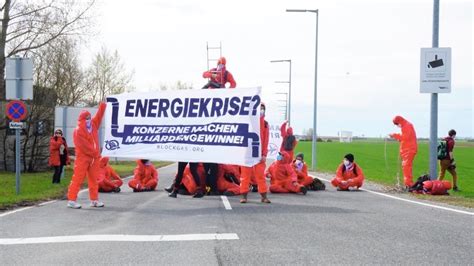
(226, 202)
(17, 210)
(48, 202)
(117, 238)
(412, 201)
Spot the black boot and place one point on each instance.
(303, 190)
(169, 189)
(173, 193)
(198, 194)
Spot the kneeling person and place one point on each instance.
(145, 177)
(228, 179)
(348, 175)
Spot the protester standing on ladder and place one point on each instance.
(219, 77)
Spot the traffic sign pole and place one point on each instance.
(434, 102)
(17, 160)
(17, 111)
(19, 86)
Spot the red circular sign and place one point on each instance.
(16, 110)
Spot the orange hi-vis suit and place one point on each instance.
(223, 184)
(283, 177)
(87, 147)
(345, 179)
(257, 170)
(303, 177)
(287, 135)
(108, 179)
(408, 148)
(54, 156)
(145, 177)
(221, 75)
(188, 180)
(436, 187)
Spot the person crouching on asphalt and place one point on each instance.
(188, 186)
(259, 169)
(228, 179)
(179, 178)
(145, 176)
(86, 141)
(349, 175)
(283, 177)
(108, 179)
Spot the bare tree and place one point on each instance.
(57, 67)
(106, 75)
(179, 85)
(31, 24)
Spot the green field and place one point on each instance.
(38, 187)
(380, 162)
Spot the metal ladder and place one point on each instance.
(211, 53)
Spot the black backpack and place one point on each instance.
(418, 186)
(317, 185)
(442, 150)
(288, 145)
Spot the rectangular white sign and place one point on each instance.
(435, 70)
(16, 125)
(19, 72)
(220, 126)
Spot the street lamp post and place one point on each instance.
(286, 103)
(316, 11)
(289, 87)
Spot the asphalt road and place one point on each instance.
(324, 227)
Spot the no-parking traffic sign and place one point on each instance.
(16, 110)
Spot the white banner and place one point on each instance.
(219, 125)
(275, 140)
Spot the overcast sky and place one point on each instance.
(368, 58)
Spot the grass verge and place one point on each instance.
(380, 163)
(37, 187)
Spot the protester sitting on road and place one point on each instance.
(448, 163)
(349, 175)
(289, 141)
(108, 179)
(58, 154)
(408, 147)
(228, 179)
(283, 177)
(188, 186)
(145, 177)
(301, 170)
(87, 145)
(179, 179)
